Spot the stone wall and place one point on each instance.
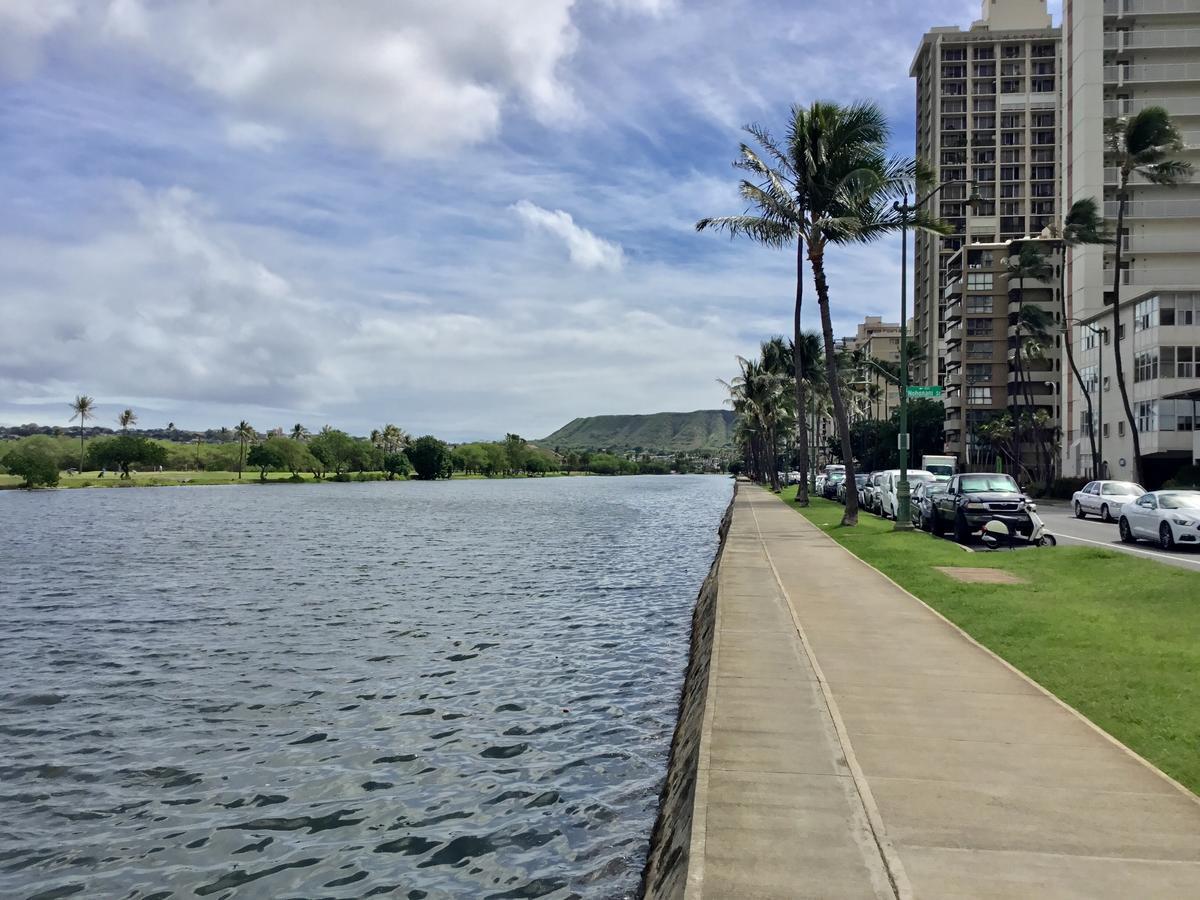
(665, 875)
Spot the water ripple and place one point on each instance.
(425, 691)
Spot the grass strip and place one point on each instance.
(1116, 637)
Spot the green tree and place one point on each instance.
(245, 433)
(265, 456)
(1142, 145)
(604, 464)
(430, 458)
(82, 408)
(35, 459)
(125, 451)
(515, 449)
(395, 463)
(1030, 262)
(334, 449)
(299, 432)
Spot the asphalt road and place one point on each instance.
(1061, 523)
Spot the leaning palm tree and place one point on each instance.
(126, 418)
(1030, 262)
(1143, 144)
(244, 432)
(299, 432)
(83, 408)
(1082, 225)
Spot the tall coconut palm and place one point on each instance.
(1082, 225)
(1035, 329)
(395, 438)
(1144, 145)
(299, 432)
(126, 419)
(1029, 263)
(245, 433)
(83, 408)
(760, 398)
(850, 188)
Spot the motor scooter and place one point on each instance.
(995, 532)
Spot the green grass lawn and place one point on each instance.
(1116, 637)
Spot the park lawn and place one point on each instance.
(1116, 637)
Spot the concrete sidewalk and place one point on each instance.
(857, 745)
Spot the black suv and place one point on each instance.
(972, 500)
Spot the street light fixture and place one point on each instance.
(903, 512)
(1097, 429)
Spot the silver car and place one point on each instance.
(1105, 498)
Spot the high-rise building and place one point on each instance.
(879, 394)
(1122, 56)
(996, 361)
(988, 112)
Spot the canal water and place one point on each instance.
(462, 689)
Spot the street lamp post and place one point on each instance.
(903, 513)
(1097, 429)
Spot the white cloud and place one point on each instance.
(23, 26)
(585, 249)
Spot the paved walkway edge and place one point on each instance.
(891, 859)
(1133, 754)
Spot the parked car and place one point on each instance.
(889, 501)
(876, 487)
(859, 481)
(1166, 517)
(972, 500)
(1103, 498)
(829, 488)
(921, 503)
(864, 491)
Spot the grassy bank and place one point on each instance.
(166, 479)
(1112, 635)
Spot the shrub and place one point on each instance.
(1186, 477)
(35, 461)
(1063, 488)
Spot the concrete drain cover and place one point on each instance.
(980, 576)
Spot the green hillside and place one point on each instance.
(705, 429)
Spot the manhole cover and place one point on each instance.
(980, 576)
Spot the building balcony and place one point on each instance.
(1037, 377)
(1121, 8)
(1155, 277)
(1159, 244)
(954, 358)
(1166, 73)
(1121, 41)
(1112, 175)
(1155, 209)
(1176, 106)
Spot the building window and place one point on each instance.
(1185, 361)
(979, 305)
(1091, 379)
(1105, 429)
(979, 396)
(979, 327)
(1089, 339)
(978, 372)
(979, 281)
(1145, 314)
(1121, 428)
(1145, 365)
(979, 349)
(1147, 416)
(1107, 382)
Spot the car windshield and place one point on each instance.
(980, 484)
(860, 480)
(938, 469)
(837, 476)
(920, 476)
(1122, 488)
(1190, 500)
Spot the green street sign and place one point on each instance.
(933, 392)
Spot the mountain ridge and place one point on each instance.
(670, 432)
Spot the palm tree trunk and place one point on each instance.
(816, 256)
(1069, 346)
(1122, 200)
(81, 447)
(798, 366)
(1016, 412)
(241, 456)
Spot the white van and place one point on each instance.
(889, 505)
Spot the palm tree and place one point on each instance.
(126, 418)
(1082, 225)
(395, 439)
(1030, 262)
(83, 408)
(1142, 144)
(244, 432)
(299, 432)
(812, 374)
(759, 398)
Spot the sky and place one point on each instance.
(466, 217)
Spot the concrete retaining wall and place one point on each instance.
(666, 872)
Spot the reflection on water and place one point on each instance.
(463, 689)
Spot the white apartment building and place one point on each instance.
(988, 111)
(1122, 56)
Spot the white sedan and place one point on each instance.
(1166, 517)
(1104, 498)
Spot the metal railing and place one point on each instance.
(1147, 40)
(1149, 7)
(1177, 106)
(1155, 209)
(1165, 72)
(1152, 277)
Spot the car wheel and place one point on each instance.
(926, 524)
(1126, 532)
(1079, 513)
(1104, 515)
(962, 533)
(1166, 538)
